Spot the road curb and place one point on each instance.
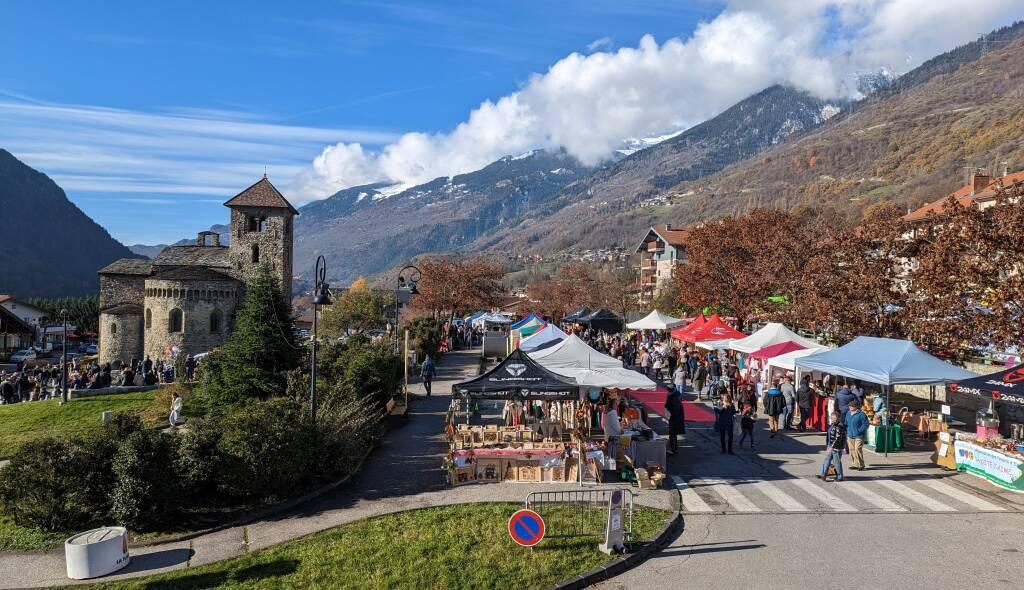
(624, 563)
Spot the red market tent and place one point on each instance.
(680, 333)
(713, 329)
(776, 349)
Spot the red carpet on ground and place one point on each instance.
(654, 401)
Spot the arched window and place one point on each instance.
(149, 319)
(175, 320)
(215, 321)
(113, 329)
(255, 254)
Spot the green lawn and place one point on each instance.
(450, 547)
(25, 422)
(16, 538)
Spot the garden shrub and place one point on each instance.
(265, 450)
(347, 430)
(197, 460)
(145, 495)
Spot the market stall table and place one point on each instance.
(884, 439)
(819, 413)
(1003, 468)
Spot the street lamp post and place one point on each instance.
(408, 284)
(321, 296)
(64, 359)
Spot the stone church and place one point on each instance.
(185, 299)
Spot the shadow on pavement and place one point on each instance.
(253, 573)
(157, 560)
(688, 551)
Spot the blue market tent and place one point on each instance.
(884, 361)
(526, 320)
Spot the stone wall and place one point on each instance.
(197, 300)
(118, 289)
(274, 244)
(120, 337)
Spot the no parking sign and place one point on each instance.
(526, 527)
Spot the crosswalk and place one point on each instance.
(732, 495)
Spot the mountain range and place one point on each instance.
(48, 246)
(905, 141)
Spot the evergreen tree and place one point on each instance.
(260, 350)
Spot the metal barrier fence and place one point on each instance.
(579, 513)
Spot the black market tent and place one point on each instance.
(602, 319)
(576, 315)
(518, 377)
(1005, 386)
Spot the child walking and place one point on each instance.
(835, 442)
(747, 426)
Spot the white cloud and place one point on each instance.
(602, 43)
(587, 104)
(187, 152)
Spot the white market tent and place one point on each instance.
(655, 321)
(549, 333)
(787, 361)
(884, 361)
(492, 318)
(772, 333)
(715, 344)
(572, 357)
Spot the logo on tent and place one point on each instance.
(1014, 375)
(515, 369)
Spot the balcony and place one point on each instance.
(656, 246)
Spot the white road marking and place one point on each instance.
(962, 496)
(691, 501)
(873, 498)
(737, 500)
(915, 496)
(784, 500)
(834, 502)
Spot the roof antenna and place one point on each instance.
(264, 172)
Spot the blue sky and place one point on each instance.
(152, 114)
(369, 70)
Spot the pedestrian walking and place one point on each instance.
(835, 441)
(774, 405)
(856, 430)
(789, 393)
(427, 373)
(747, 426)
(699, 376)
(749, 397)
(679, 379)
(676, 419)
(804, 401)
(725, 414)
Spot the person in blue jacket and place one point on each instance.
(856, 430)
(843, 399)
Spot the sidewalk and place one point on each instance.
(403, 474)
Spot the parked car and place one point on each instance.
(23, 355)
(92, 349)
(44, 347)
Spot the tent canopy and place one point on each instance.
(771, 333)
(713, 329)
(530, 328)
(655, 321)
(1004, 386)
(787, 362)
(602, 319)
(579, 313)
(776, 349)
(884, 361)
(491, 318)
(518, 377)
(697, 322)
(574, 358)
(526, 321)
(547, 334)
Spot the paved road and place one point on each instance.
(761, 519)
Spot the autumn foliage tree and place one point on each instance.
(855, 281)
(573, 286)
(450, 286)
(735, 264)
(357, 310)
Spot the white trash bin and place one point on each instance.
(97, 552)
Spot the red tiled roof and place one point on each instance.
(675, 237)
(261, 194)
(964, 195)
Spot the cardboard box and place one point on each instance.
(528, 471)
(463, 475)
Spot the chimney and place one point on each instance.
(979, 180)
(668, 227)
(216, 239)
(201, 239)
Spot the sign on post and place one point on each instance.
(526, 527)
(613, 532)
